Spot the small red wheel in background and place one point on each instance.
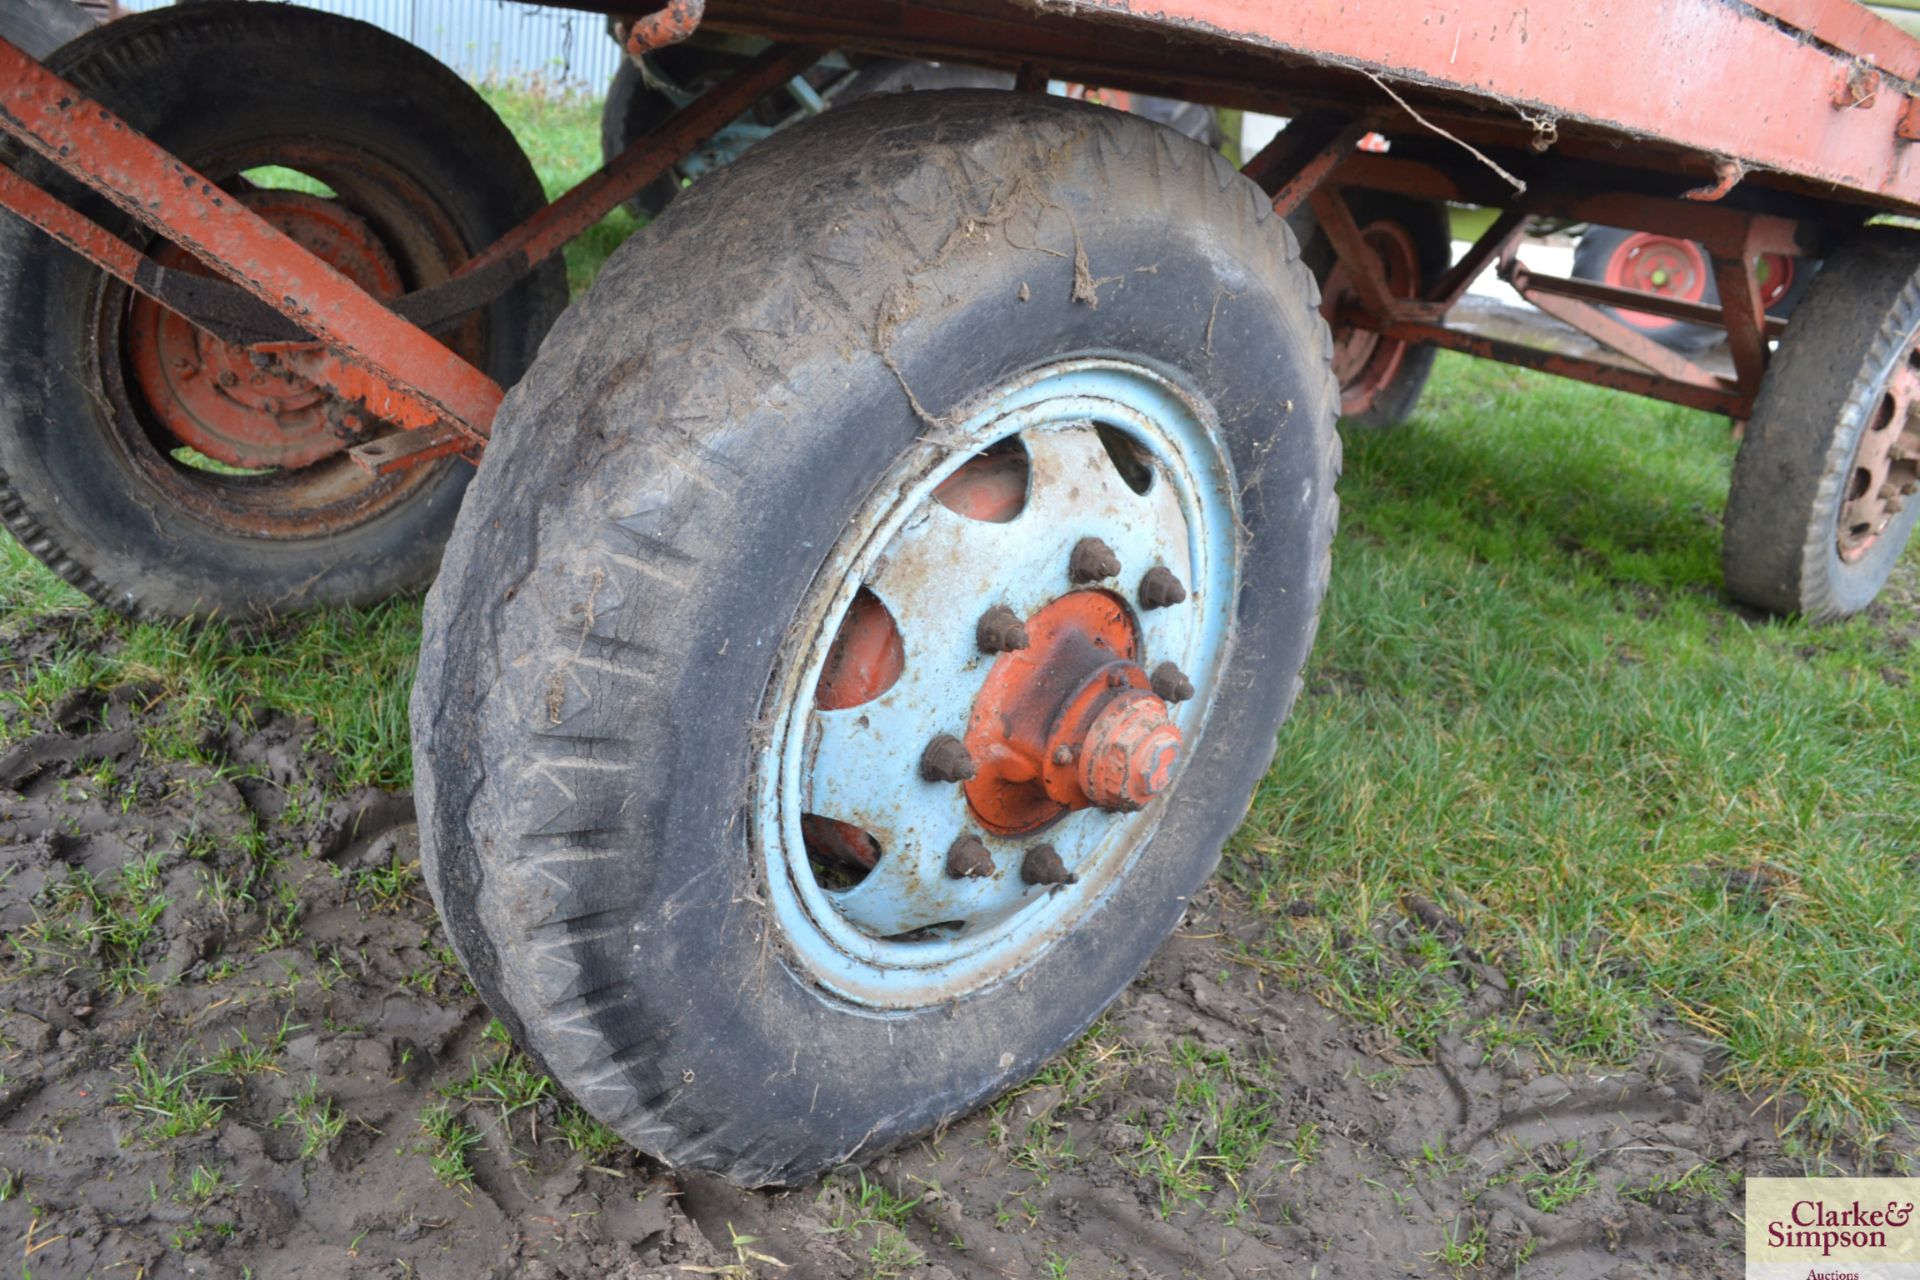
(1662, 265)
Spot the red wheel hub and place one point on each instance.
(1776, 278)
(1069, 722)
(1663, 265)
(1364, 362)
(222, 400)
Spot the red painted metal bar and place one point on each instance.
(646, 159)
(91, 144)
(1719, 228)
(1610, 332)
(75, 230)
(1350, 246)
(1598, 373)
(1651, 303)
(1851, 28)
(1564, 62)
(1494, 242)
(1308, 178)
(1745, 311)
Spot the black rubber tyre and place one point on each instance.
(41, 26)
(88, 481)
(664, 489)
(1426, 224)
(1825, 388)
(633, 109)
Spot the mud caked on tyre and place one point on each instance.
(165, 472)
(1824, 489)
(1380, 378)
(873, 615)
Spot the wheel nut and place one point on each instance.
(946, 759)
(969, 859)
(1000, 631)
(1171, 683)
(1091, 561)
(1042, 865)
(1160, 589)
(1063, 754)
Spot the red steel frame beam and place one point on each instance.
(1736, 239)
(1563, 61)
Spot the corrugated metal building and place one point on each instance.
(490, 42)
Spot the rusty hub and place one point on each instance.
(232, 405)
(1364, 362)
(1070, 722)
(1885, 473)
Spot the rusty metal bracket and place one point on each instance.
(670, 25)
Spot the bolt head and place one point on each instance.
(1042, 866)
(947, 759)
(969, 859)
(1161, 589)
(1092, 560)
(1000, 631)
(1171, 683)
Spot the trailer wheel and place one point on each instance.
(1381, 379)
(164, 472)
(1822, 502)
(1678, 268)
(634, 108)
(869, 625)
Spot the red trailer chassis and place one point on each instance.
(1521, 108)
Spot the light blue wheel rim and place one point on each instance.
(937, 572)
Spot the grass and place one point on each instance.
(166, 1101)
(1529, 705)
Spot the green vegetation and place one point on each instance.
(1531, 706)
(166, 1101)
(450, 1140)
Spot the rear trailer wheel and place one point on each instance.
(165, 472)
(861, 640)
(1380, 379)
(1824, 485)
(1673, 267)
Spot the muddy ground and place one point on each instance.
(235, 1044)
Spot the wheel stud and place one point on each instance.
(1171, 683)
(1160, 589)
(1091, 561)
(969, 859)
(946, 759)
(1042, 865)
(1000, 631)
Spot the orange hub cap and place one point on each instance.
(1069, 722)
